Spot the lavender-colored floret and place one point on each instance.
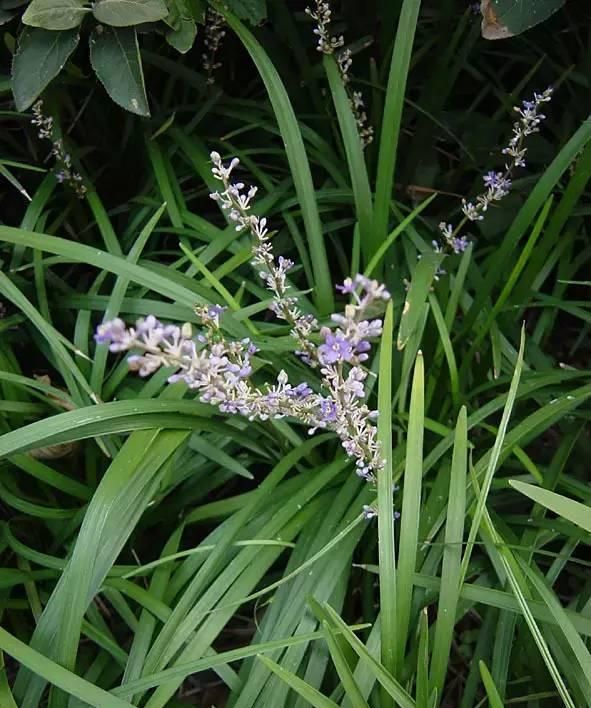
(336, 348)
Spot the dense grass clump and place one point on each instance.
(158, 551)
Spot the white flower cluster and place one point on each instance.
(527, 124)
(65, 172)
(322, 14)
(221, 370)
(330, 44)
(235, 200)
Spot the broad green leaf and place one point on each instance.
(115, 56)
(40, 57)
(55, 14)
(568, 509)
(181, 19)
(255, 11)
(126, 13)
(182, 39)
(506, 18)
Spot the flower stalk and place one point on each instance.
(220, 370)
(497, 185)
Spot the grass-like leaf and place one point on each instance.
(411, 505)
(296, 156)
(310, 694)
(577, 513)
(388, 585)
(449, 592)
(392, 115)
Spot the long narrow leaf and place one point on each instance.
(296, 156)
(411, 506)
(392, 117)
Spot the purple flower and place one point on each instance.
(108, 331)
(241, 372)
(347, 288)
(146, 325)
(459, 244)
(300, 391)
(490, 179)
(360, 348)
(364, 471)
(335, 348)
(285, 264)
(215, 310)
(328, 410)
(497, 182)
(115, 333)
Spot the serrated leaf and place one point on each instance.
(115, 57)
(506, 18)
(126, 13)
(255, 11)
(55, 14)
(40, 57)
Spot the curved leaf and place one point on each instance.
(183, 37)
(115, 56)
(126, 13)
(569, 509)
(182, 19)
(55, 14)
(40, 57)
(103, 419)
(255, 11)
(506, 18)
